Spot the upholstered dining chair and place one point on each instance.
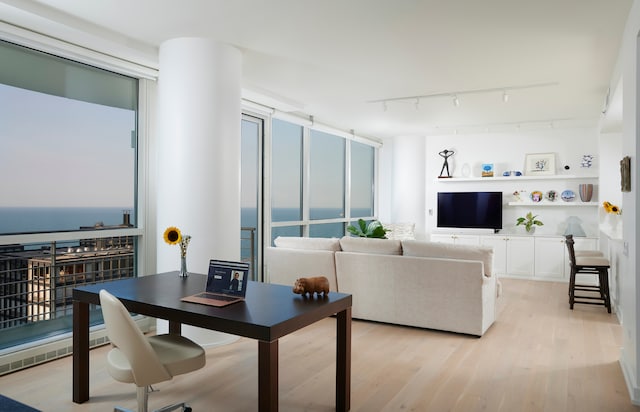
(145, 360)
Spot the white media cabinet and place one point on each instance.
(523, 256)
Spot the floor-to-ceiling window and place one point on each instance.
(68, 160)
(320, 181)
(362, 183)
(286, 178)
(252, 132)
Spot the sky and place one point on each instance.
(61, 152)
(58, 152)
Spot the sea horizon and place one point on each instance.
(19, 220)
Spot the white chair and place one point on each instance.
(145, 360)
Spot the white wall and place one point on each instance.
(627, 72)
(401, 172)
(610, 154)
(416, 174)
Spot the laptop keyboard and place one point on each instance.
(217, 297)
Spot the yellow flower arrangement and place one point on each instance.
(610, 208)
(173, 236)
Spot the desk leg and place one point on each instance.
(268, 376)
(175, 328)
(343, 361)
(80, 352)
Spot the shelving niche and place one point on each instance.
(515, 178)
(530, 179)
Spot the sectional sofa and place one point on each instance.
(406, 282)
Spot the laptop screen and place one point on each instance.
(226, 277)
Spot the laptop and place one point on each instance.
(226, 284)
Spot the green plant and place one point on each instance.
(528, 221)
(374, 229)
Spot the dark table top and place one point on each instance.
(268, 313)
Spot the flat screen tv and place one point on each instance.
(470, 210)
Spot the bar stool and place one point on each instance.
(592, 264)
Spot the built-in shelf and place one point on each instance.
(551, 204)
(513, 178)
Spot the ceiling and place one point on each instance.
(338, 60)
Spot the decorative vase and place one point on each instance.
(586, 191)
(183, 265)
(614, 222)
(531, 230)
(184, 242)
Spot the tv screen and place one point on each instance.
(470, 210)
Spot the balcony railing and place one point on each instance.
(248, 250)
(36, 284)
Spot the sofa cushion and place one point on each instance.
(449, 251)
(308, 243)
(368, 245)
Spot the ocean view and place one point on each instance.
(15, 220)
(50, 219)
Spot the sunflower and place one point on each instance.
(611, 208)
(172, 235)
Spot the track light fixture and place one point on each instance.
(454, 94)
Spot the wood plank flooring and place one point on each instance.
(538, 356)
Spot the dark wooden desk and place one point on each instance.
(269, 313)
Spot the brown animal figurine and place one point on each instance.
(318, 284)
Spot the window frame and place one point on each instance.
(144, 260)
(306, 222)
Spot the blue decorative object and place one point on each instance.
(517, 173)
(507, 173)
(568, 196)
(487, 170)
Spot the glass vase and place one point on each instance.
(183, 266)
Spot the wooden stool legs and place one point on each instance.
(602, 288)
(588, 263)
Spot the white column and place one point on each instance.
(198, 181)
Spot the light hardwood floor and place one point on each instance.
(538, 356)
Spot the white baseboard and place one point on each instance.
(629, 378)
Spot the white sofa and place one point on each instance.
(414, 283)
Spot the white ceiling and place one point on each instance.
(333, 57)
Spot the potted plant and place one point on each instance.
(374, 229)
(529, 221)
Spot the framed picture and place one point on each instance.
(625, 174)
(540, 164)
(487, 170)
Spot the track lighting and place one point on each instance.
(454, 94)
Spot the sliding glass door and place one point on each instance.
(251, 193)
